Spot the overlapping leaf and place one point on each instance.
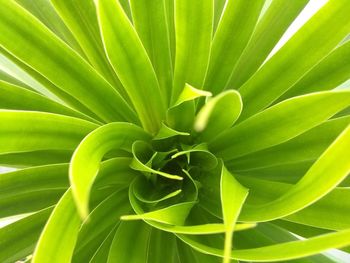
(95, 146)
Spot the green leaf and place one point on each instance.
(115, 172)
(44, 86)
(34, 179)
(269, 234)
(17, 240)
(130, 237)
(321, 214)
(109, 137)
(101, 254)
(150, 21)
(147, 192)
(113, 98)
(34, 44)
(81, 18)
(35, 158)
(285, 172)
(100, 222)
(28, 202)
(233, 196)
(301, 230)
(203, 229)
(199, 229)
(181, 115)
(315, 184)
(194, 26)
(172, 215)
(190, 93)
(165, 241)
(327, 74)
(57, 241)
(219, 6)
(265, 36)
(142, 161)
(46, 13)
(345, 112)
(170, 15)
(127, 9)
(302, 52)
(278, 252)
(35, 188)
(188, 254)
(131, 63)
(209, 195)
(198, 156)
(279, 123)
(31, 131)
(100, 194)
(233, 32)
(5, 77)
(18, 98)
(218, 114)
(166, 132)
(305, 147)
(264, 234)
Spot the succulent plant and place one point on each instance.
(163, 131)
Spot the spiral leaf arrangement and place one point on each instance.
(162, 131)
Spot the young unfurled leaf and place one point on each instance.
(218, 114)
(94, 147)
(172, 215)
(233, 195)
(142, 161)
(181, 115)
(166, 132)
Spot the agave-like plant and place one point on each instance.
(160, 131)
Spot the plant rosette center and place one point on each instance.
(174, 165)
